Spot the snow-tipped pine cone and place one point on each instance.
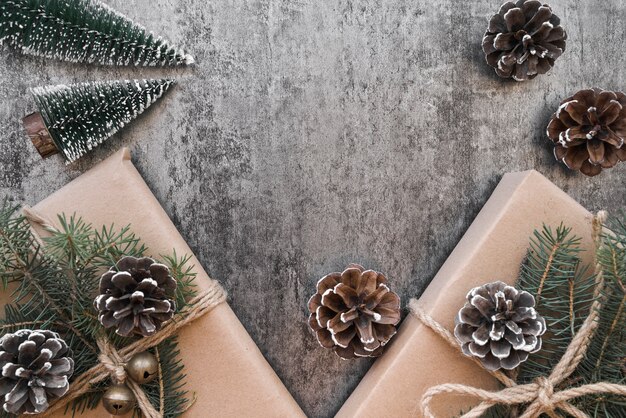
(588, 130)
(354, 312)
(523, 40)
(36, 367)
(136, 296)
(499, 325)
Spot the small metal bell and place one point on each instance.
(118, 400)
(142, 367)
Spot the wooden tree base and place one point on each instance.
(39, 135)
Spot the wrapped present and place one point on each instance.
(492, 249)
(224, 368)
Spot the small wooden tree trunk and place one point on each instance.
(39, 135)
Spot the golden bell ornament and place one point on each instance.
(142, 367)
(118, 400)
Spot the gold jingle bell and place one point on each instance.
(118, 400)
(142, 367)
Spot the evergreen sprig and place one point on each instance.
(169, 390)
(563, 289)
(53, 285)
(81, 116)
(605, 360)
(85, 31)
(564, 292)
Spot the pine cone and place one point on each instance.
(136, 296)
(588, 130)
(499, 325)
(36, 366)
(354, 312)
(523, 40)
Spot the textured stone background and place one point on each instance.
(316, 133)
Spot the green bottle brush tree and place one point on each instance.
(75, 119)
(85, 31)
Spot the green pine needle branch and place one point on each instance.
(564, 292)
(563, 289)
(53, 285)
(606, 356)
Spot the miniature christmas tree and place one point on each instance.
(74, 119)
(83, 31)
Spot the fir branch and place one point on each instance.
(604, 360)
(556, 245)
(64, 275)
(617, 321)
(15, 244)
(185, 276)
(168, 394)
(160, 380)
(39, 280)
(552, 269)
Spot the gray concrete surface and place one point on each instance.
(312, 134)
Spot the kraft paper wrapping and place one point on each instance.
(492, 249)
(224, 367)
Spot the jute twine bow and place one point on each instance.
(540, 396)
(112, 360)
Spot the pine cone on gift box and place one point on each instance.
(523, 40)
(499, 325)
(136, 296)
(588, 130)
(354, 312)
(36, 366)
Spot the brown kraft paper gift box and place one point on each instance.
(224, 367)
(492, 249)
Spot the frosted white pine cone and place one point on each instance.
(499, 325)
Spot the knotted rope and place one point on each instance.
(114, 365)
(541, 395)
(112, 361)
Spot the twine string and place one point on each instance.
(111, 360)
(114, 364)
(540, 395)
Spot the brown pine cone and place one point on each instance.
(499, 325)
(588, 130)
(36, 367)
(136, 297)
(523, 40)
(354, 312)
